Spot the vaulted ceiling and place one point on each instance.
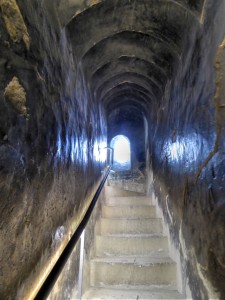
(129, 50)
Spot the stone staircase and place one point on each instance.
(131, 253)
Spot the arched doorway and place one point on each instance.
(122, 153)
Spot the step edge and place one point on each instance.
(132, 236)
(140, 218)
(129, 206)
(159, 288)
(120, 260)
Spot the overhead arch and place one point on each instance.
(129, 104)
(127, 85)
(125, 93)
(172, 14)
(136, 65)
(70, 9)
(137, 44)
(130, 77)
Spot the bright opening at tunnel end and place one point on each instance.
(122, 153)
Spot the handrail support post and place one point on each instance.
(81, 263)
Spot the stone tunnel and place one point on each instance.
(76, 73)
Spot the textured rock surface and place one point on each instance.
(155, 70)
(14, 22)
(15, 94)
(188, 160)
(157, 58)
(48, 161)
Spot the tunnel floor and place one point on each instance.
(133, 180)
(132, 259)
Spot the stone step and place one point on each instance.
(132, 271)
(134, 200)
(131, 254)
(129, 226)
(129, 185)
(132, 293)
(129, 211)
(125, 245)
(115, 191)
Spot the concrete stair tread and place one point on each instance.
(133, 200)
(132, 270)
(128, 185)
(139, 287)
(128, 211)
(160, 253)
(135, 260)
(133, 235)
(131, 252)
(130, 226)
(116, 191)
(128, 205)
(124, 197)
(130, 219)
(131, 245)
(132, 293)
(117, 198)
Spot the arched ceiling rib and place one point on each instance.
(130, 77)
(146, 16)
(133, 44)
(134, 65)
(127, 87)
(72, 8)
(134, 107)
(136, 97)
(133, 115)
(132, 56)
(130, 49)
(134, 78)
(130, 103)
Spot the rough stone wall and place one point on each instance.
(68, 284)
(48, 143)
(188, 157)
(50, 126)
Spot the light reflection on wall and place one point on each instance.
(74, 148)
(84, 151)
(100, 151)
(79, 150)
(186, 149)
(59, 146)
(67, 146)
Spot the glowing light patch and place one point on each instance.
(74, 147)
(121, 150)
(121, 146)
(100, 151)
(186, 148)
(59, 146)
(84, 151)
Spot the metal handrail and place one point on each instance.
(112, 154)
(47, 286)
